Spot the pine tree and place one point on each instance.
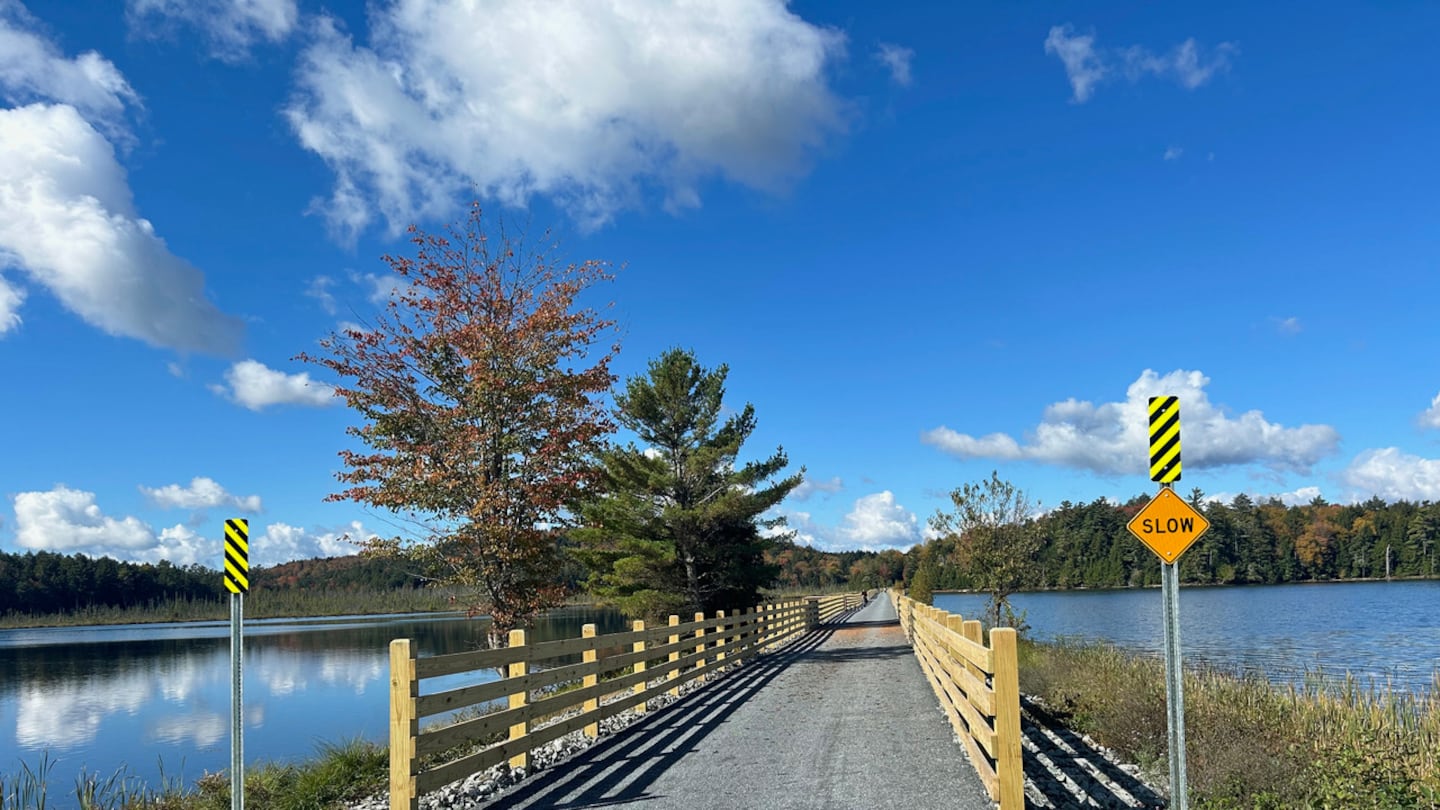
(922, 587)
(675, 525)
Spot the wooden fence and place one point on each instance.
(832, 606)
(623, 664)
(979, 688)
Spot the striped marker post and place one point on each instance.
(237, 582)
(1165, 471)
(1164, 440)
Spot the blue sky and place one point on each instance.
(929, 240)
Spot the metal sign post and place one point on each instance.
(1174, 686)
(237, 582)
(1168, 526)
(237, 703)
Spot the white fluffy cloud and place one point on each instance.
(68, 221)
(11, 297)
(230, 27)
(68, 520)
(1295, 497)
(182, 545)
(897, 60)
(810, 486)
(1393, 475)
(33, 69)
(380, 289)
(254, 385)
(589, 103)
(67, 218)
(202, 493)
(1112, 438)
(319, 289)
(1083, 65)
(282, 542)
(1086, 66)
(1429, 418)
(876, 522)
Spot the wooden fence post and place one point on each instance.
(591, 656)
(404, 726)
(812, 612)
(1009, 770)
(519, 669)
(752, 633)
(955, 623)
(700, 646)
(973, 631)
(639, 627)
(724, 639)
(674, 656)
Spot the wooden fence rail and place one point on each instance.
(634, 666)
(832, 606)
(978, 687)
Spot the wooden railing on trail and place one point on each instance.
(614, 664)
(832, 606)
(979, 688)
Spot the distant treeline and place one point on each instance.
(44, 582)
(802, 567)
(1087, 545)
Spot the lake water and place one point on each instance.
(1388, 631)
(142, 695)
(138, 695)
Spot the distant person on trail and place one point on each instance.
(864, 598)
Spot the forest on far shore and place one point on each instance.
(1085, 545)
(1249, 542)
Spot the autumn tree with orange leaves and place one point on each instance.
(479, 389)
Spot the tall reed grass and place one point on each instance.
(1249, 743)
(259, 604)
(340, 773)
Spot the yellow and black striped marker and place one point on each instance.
(237, 555)
(1165, 439)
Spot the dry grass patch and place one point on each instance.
(1249, 744)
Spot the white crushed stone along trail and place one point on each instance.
(841, 718)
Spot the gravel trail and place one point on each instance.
(843, 718)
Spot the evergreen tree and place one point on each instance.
(922, 587)
(674, 525)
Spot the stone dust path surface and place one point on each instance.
(843, 718)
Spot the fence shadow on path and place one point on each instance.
(1084, 769)
(843, 654)
(851, 625)
(641, 752)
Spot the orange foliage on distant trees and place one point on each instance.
(1315, 543)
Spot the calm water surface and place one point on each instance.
(140, 695)
(1381, 630)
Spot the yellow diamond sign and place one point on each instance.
(1168, 525)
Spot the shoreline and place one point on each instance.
(1084, 738)
(1156, 587)
(77, 620)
